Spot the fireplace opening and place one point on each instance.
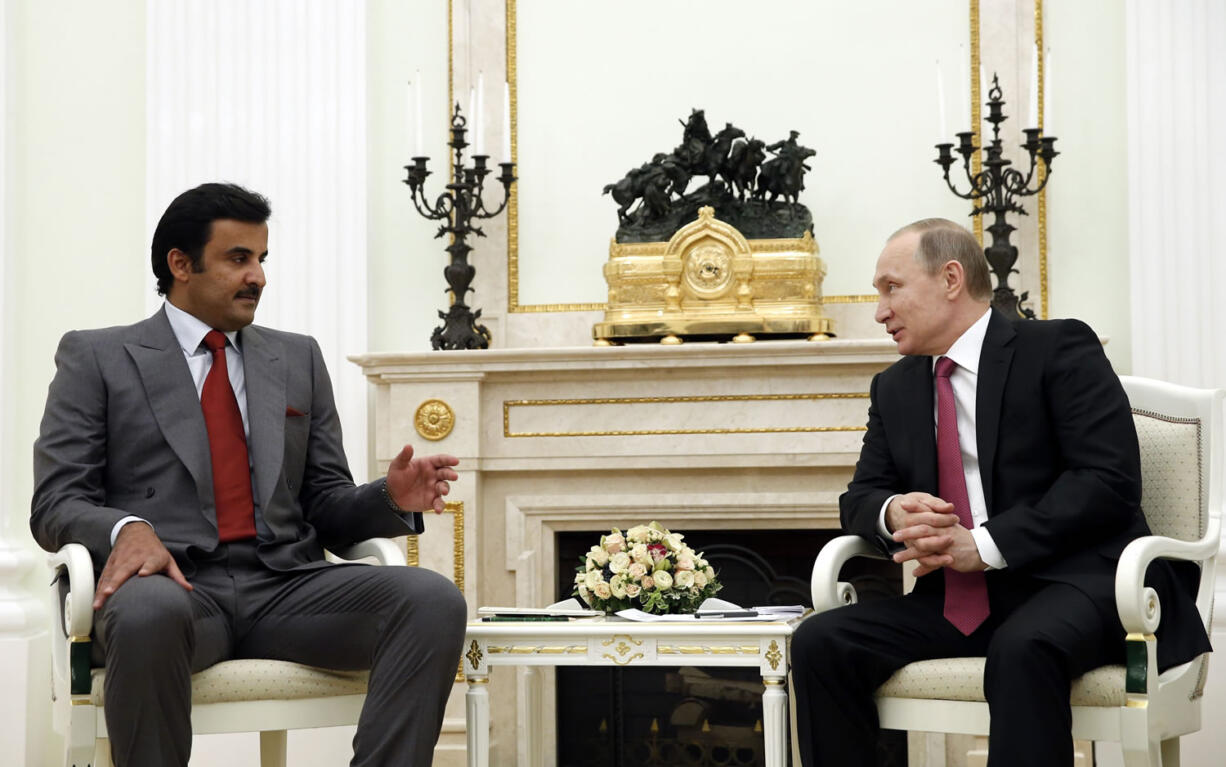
(688, 716)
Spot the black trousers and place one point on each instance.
(405, 624)
(1039, 637)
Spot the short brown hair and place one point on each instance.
(942, 241)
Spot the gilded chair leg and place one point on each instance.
(272, 748)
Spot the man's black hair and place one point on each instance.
(187, 223)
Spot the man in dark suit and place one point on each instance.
(1001, 458)
(209, 550)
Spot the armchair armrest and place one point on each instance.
(74, 560)
(828, 591)
(1138, 605)
(381, 550)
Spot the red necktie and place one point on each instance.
(227, 448)
(966, 594)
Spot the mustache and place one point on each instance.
(251, 291)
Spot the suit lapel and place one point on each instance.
(264, 370)
(921, 427)
(994, 361)
(172, 396)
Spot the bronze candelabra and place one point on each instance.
(997, 189)
(458, 207)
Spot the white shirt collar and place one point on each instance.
(966, 350)
(190, 330)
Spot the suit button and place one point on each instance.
(149, 491)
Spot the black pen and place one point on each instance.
(730, 614)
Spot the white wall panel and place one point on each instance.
(1176, 121)
(271, 94)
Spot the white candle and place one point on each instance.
(983, 98)
(506, 122)
(472, 108)
(417, 92)
(1033, 116)
(941, 101)
(479, 118)
(964, 82)
(1049, 97)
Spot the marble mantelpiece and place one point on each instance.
(697, 436)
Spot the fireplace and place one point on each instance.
(614, 717)
(738, 440)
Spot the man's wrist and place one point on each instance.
(390, 501)
(120, 525)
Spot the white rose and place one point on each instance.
(700, 579)
(593, 578)
(618, 586)
(614, 543)
(638, 534)
(710, 573)
(599, 556)
(632, 590)
(639, 553)
(685, 562)
(580, 578)
(637, 570)
(664, 579)
(647, 582)
(685, 579)
(619, 562)
(602, 590)
(585, 595)
(673, 542)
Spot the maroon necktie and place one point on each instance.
(966, 594)
(227, 447)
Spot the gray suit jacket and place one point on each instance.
(123, 434)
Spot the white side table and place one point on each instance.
(600, 642)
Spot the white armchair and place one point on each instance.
(1180, 433)
(265, 696)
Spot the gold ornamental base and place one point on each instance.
(709, 282)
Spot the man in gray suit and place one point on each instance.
(210, 551)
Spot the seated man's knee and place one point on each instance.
(816, 640)
(435, 597)
(146, 610)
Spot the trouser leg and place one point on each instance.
(405, 624)
(153, 634)
(840, 657)
(1056, 635)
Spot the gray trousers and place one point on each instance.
(405, 624)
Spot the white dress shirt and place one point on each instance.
(190, 331)
(965, 352)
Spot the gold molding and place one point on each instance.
(513, 305)
(508, 404)
(1042, 203)
(866, 298)
(412, 553)
(774, 655)
(976, 107)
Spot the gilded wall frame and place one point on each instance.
(513, 272)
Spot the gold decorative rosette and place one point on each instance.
(434, 419)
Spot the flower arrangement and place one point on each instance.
(647, 567)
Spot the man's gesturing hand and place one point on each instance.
(416, 484)
(930, 530)
(137, 551)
